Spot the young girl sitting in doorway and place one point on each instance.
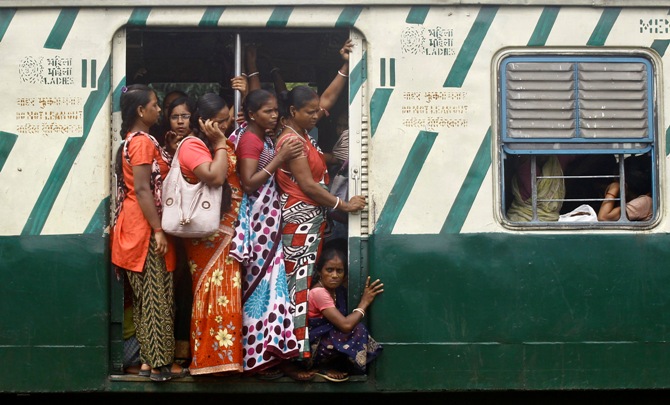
(335, 335)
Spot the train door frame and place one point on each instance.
(354, 98)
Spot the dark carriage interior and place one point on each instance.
(203, 59)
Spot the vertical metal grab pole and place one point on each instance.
(238, 71)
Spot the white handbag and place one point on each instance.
(189, 210)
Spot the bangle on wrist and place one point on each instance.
(606, 194)
(274, 69)
(219, 148)
(252, 74)
(360, 311)
(342, 74)
(156, 230)
(266, 171)
(336, 203)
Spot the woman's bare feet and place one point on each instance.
(145, 370)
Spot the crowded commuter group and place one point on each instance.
(265, 294)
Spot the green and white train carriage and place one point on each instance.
(442, 96)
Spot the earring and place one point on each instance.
(253, 119)
(141, 115)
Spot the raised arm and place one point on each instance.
(253, 75)
(334, 89)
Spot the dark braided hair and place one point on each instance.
(132, 97)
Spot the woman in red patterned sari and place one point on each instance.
(304, 200)
(216, 318)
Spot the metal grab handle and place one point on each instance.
(355, 176)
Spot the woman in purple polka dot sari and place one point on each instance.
(267, 324)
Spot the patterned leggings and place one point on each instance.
(153, 310)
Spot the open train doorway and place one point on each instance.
(197, 61)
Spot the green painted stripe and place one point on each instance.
(348, 16)
(417, 15)
(7, 141)
(279, 17)
(40, 212)
(6, 16)
(97, 98)
(660, 46)
(211, 17)
(470, 187)
(94, 73)
(61, 28)
(604, 26)
(378, 102)
(544, 26)
(84, 73)
(99, 221)
(392, 72)
(382, 72)
(405, 181)
(470, 47)
(357, 77)
(139, 16)
(667, 141)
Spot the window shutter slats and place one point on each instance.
(613, 100)
(587, 100)
(541, 100)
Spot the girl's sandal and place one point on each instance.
(333, 375)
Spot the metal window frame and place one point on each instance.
(619, 147)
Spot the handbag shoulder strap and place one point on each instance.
(175, 159)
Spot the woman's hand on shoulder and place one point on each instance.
(290, 150)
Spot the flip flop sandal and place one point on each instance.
(164, 374)
(145, 373)
(325, 374)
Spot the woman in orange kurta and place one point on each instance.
(216, 318)
(139, 245)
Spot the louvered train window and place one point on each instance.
(573, 132)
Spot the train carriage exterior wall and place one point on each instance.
(469, 304)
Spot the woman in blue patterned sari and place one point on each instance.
(267, 323)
